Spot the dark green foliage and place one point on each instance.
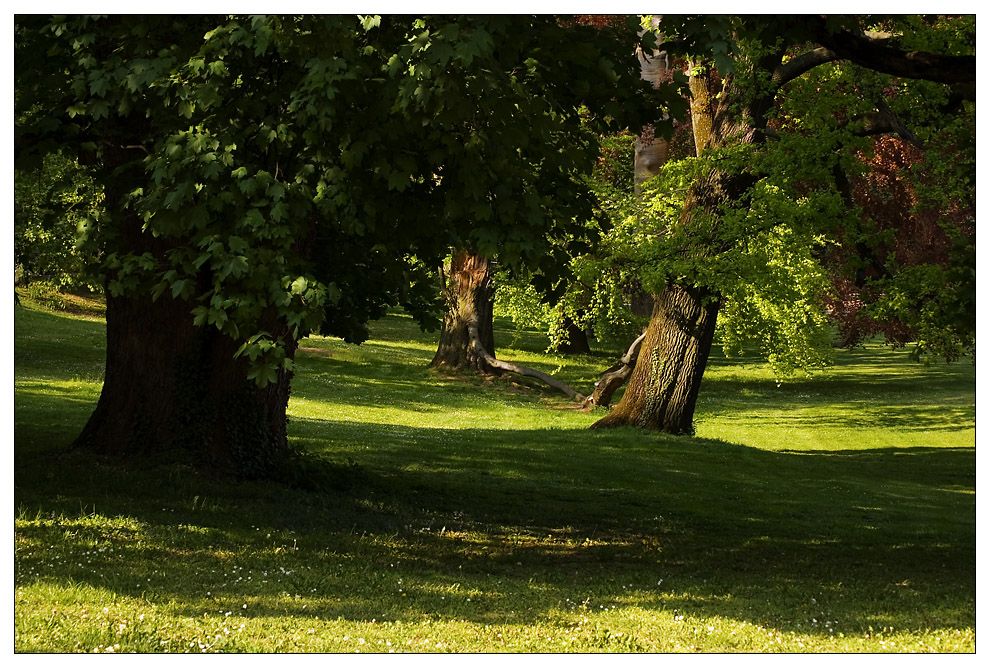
(313, 167)
(54, 204)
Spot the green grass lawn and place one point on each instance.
(450, 513)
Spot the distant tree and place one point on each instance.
(54, 203)
(910, 264)
(467, 338)
(544, 170)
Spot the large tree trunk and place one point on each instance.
(663, 389)
(664, 386)
(470, 296)
(171, 388)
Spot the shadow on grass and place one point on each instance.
(879, 533)
(524, 521)
(788, 415)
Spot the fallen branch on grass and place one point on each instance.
(517, 368)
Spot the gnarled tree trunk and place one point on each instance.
(171, 387)
(467, 340)
(664, 386)
(663, 389)
(470, 296)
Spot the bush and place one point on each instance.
(54, 208)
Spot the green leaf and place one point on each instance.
(237, 245)
(299, 285)
(279, 212)
(254, 218)
(263, 373)
(181, 288)
(238, 266)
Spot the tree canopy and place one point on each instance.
(316, 165)
(266, 177)
(784, 109)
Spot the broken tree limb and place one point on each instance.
(615, 376)
(518, 369)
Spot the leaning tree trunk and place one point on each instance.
(470, 296)
(663, 389)
(173, 389)
(664, 385)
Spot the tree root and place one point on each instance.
(607, 384)
(519, 369)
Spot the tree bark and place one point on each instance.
(171, 388)
(577, 339)
(470, 296)
(664, 386)
(467, 338)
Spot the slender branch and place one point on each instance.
(881, 122)
(139, 147)
(886, 122)
(798, 65)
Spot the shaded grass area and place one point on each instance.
(452, 513)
